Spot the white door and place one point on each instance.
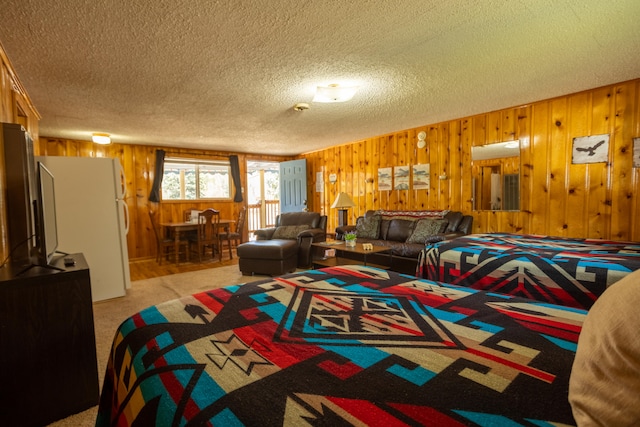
(293, 186)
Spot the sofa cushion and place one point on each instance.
(368, 228)
(400, 229)
(268, 249)
(454, 219)
(288, 231)
(384, 228)
(425, 228)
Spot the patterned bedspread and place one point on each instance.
(343, 346)
(571, 272)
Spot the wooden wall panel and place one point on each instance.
(634, 194)
(536, 159)
(623, 209)
(466, 185)
(577, 123)
(598, 200)
(524, 124)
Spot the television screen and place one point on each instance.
(47, 239)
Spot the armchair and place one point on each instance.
(305, 227)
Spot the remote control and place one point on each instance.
(68, 261)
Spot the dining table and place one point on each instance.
(177, 229)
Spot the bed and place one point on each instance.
(342, 346)
(570, 272)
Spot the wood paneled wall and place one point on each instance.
(138, 162)
(597, 200)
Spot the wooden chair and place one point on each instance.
(165, 245)
(237, 235)
(208, 233)
(187, 214)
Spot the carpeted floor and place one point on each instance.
(108, 315)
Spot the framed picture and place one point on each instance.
(421, 177)
(319, 182)
(590, 149)
(385, 179)
(401, 178)
(636, 152)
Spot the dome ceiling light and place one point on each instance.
(101, 138)
(334, 93)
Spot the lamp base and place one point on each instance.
(343, 218)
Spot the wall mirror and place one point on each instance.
(496, 176)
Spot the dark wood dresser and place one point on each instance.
(48, 365)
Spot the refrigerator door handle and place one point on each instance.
(126, 215)
(123, 185)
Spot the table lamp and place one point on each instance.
(342, 203)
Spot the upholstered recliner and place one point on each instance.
(305, 227)
(280, 249)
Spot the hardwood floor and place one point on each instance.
(149, 268)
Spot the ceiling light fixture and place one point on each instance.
(101, 138)
(334, 93)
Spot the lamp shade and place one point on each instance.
(342, 201)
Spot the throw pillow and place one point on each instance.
(368, 228)
(288, 231)
(425, 228)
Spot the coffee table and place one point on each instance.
(341, 248)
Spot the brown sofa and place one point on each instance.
(405, 234)
(273, 253)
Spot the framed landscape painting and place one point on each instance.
(421, 178)
(385, 179)
(401, 178)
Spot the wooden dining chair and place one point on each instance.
(207, 235)
(188, 214)
(165, 245)
(235, 236)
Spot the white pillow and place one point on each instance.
(604, 387)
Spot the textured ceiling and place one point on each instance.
(224, 75)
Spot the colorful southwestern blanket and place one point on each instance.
(571, 272)
(349, 345)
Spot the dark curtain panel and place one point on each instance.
(235, 174)
(154, 196)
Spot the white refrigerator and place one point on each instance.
(92, 218)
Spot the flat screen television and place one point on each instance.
(21, 193)
(45, 214)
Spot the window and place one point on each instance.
(193, 179)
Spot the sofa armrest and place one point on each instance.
(340, 231)
(439, 237)
(316, 234)
(264, 233)
(305, 239)
(466, 225)
(435, 238)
